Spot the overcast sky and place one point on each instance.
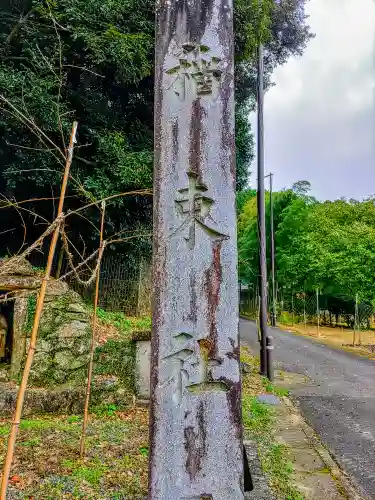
(320, 116)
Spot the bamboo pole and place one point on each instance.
(91, 360)
(38, 312)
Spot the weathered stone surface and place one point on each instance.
(3, 334)
(245, 368)
(64, 400)
(142, 368)
(64, 333)
(268, 399)
(63, 345)
(76, 308)
(317, 486)
(262, 490)
(196, 432)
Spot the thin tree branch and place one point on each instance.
(83, 69)
(31, 123)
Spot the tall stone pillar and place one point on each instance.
(195, 426)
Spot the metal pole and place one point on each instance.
(273, 313)
(318, 310)
(356, 329)
(261, 220)
(270, 373)
(293, 307)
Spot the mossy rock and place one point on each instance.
(64, 340)
(116, 358)
(139, 335)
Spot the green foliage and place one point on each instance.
(116, 358)
(30, 442)
(326, 245)
(243, 197)
(74, 418)
(91, 473)
(272, 389)
(276, 463)
(104, 410)
(124, 324)
(31, 308)
(244, 146)
(257, 417)
(143, 450)
(253, 24)
(92, 60)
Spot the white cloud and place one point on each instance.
(320, 116)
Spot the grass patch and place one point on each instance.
(277, 465)
(259, 422)
(31, 442)
(47, 463)
(104, 410)
(92, 474)
(125, 325)
(273, 389)
(257, 417)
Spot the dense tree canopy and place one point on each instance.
(92, 60)
(327, 245)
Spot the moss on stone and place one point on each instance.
(141, 335)
(116, 357)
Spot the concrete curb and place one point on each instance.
(325, 455)
(262, 490)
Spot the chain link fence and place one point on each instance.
(125, 286)
(302, 308)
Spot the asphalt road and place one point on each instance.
(339, 402)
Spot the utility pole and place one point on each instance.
(273, 310)
(318, 310)
(261, 219)
(356, 329)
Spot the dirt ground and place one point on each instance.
(47, 463)
(338, 337)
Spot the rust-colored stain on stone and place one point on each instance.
(192, 316)
(235, 353)
(195, 156)
(197, 14)
(175, 145)
(212, 291)
(195, 444)
(234, 403)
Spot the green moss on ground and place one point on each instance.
(47, 463)
(116, 357)
(125, 325)
(259, 423)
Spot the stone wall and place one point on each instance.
(64, 334)
(64, 340)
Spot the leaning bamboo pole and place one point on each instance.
(93, 338)
(38, 312)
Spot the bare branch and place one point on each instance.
(31, 123)
(144, 192)
(21, 21)
(83, 69)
